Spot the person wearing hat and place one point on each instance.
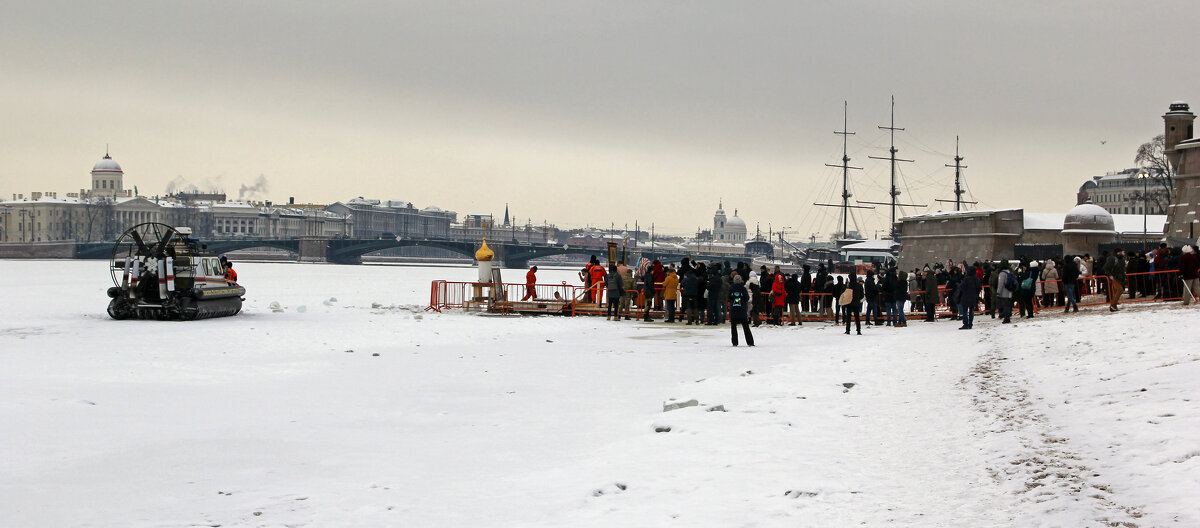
(737, 305)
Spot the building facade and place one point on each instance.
(728, 230)
(394, 218)
(1119, 193)
(1183, 151)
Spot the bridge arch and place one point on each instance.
(351, 251)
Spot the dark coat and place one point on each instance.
(792, 287)
(690, 285)
(615, 284)
(859, 294)
(714, 288)
(1070, 272)
(969, 288)
(1189, 266)
(739, 300)
(931, 288)
(871, 289)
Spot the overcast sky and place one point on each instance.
(591, 112)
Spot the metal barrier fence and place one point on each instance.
(566, 299)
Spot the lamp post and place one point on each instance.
(1145, 177)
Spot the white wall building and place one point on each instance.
(728, 230)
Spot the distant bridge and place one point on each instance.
(351, 250)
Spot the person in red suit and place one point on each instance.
(530, 279)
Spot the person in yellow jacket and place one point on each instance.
(670, 292)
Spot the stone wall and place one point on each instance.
(967, 235)
(37, 250)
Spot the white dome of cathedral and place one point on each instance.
(735, 222)
(106, 164)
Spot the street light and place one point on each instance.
(1145, 177)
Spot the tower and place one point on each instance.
(1183, 151)
(108, 180)
(719, 222)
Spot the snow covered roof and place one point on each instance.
(1132, 223)
(941, 215)
(1044, 221)
(43, 199)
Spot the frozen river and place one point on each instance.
(353, 407)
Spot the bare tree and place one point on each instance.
(100, 220)
(1151, 157)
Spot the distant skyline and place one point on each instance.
(591, 112)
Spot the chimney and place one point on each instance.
(35, 196)
(291, 200)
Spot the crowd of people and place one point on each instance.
(701, 293)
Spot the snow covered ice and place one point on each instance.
(362, 410)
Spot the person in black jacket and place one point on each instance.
(835, 293)
(690, 285)
(1070, 281)
(952, 282)
(805, 288)
(714, 297)
(738, 302)
(968, 297)
(871, 296)
(855, 305)
(792, 287)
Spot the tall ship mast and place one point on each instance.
(894, 192)
(845, 166)
(958, 190)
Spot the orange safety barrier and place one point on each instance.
(568, 299)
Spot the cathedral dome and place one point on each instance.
(735, 222)
(106, 164)
(1088, 218)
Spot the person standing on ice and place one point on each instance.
(714, 297)
(1189, 270)
(629, 286)
(856, 298)
(660, 274)
(615, 287)
(1115, 268)
(779, 294)
(930, 286)
(968, 297)
(648, 290)
(670, 292)
(1006, 284)
(530, 280)
(690, 286)
(792, 287)
(597, 274)
(738, 301)
(1049, 280)
(1070, 280)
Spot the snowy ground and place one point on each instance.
(365, 411)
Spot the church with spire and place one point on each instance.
(731, 230)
